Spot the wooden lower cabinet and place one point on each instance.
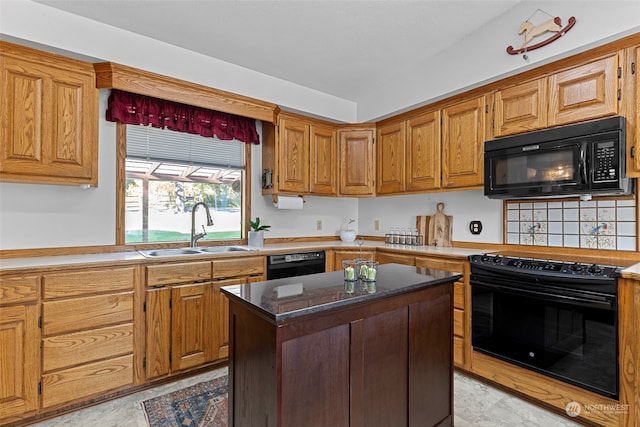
(461, 314)
(19, 360)
(180, 324)
(187, 323)
(395, 258)
(344, 254)
(87, 334)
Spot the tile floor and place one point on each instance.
(475, 404)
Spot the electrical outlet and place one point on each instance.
(376, 225)
(475, 227)
(319, 225)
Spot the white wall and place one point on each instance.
(45, 216)
(464, 206)
(41, 216)
(481, 57)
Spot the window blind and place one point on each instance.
(161, 145)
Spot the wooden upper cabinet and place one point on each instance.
(463, 136)
(357, 162)
(390, 161)
(293, 173)
(520, 108)
(632, 110)
(585, 92)
(323, 164)
(50, 112)
(423, 152)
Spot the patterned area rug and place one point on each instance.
(200, 405)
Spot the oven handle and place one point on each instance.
(593, 300)
(583, 163)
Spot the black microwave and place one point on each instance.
(585, 159)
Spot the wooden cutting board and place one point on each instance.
(437, 228)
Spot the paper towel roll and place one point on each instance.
(289, 202)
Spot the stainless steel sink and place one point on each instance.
(169, 252)
(159, 253)
(217, 249)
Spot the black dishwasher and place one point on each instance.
(297, 264)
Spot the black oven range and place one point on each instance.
(553, 317)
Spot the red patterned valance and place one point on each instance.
(134, 109)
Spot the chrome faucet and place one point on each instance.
(195, 237)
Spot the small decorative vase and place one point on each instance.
(256, 239)
(347, 235)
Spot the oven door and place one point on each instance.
(569, 335)
(536, 169)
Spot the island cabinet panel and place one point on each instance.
(380, 362)
(324, 358)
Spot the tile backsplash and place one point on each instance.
(594, 224)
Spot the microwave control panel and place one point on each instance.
(605, 161)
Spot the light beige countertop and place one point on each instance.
(632, 272)
(135, 257)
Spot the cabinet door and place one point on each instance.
(50, 129)
(520, 108)
(192, 341)
(632, 81)
(585, 92)
(390, 159)
(323, 161)
(357, 163)
(463, 136)
(423, 152)
(294, 156)
(19, 360)
(221, 315)
(158, 332)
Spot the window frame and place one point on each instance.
(121, 178)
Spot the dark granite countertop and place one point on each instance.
(284, 299)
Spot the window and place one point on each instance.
(168, 172)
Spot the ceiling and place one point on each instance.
(342, 48)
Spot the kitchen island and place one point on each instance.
(315, 351)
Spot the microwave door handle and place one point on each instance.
(583, 163)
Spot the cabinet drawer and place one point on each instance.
(82, 347)
(440, 264)
(183, 272)
(85, 381)
(458, 295)
(458, 351)
(19, 289)
(458, 322)
(85, 313)
(384, 258)
(63, 285)
(237, 267)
